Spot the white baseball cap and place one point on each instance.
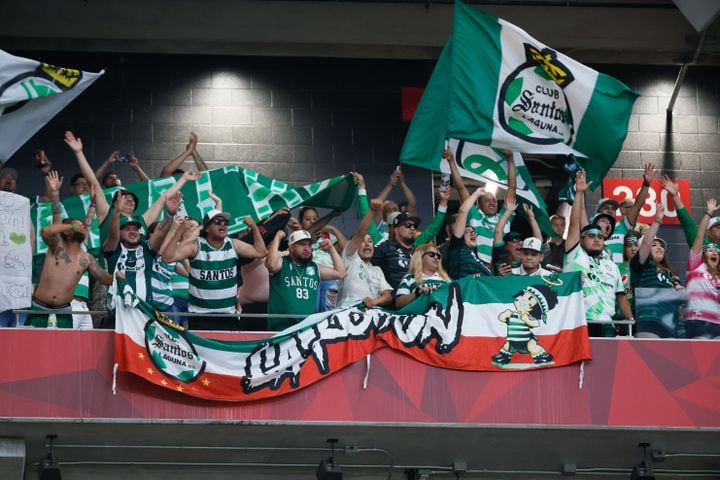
(215, 213)
(298, 236)
(391, 218)
(532, 243)
(713, 221)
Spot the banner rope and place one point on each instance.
(114, 384)
(582, 374)
(367, 371)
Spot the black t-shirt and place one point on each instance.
(393, 259)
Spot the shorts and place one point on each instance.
(701, 329)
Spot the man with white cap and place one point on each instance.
(532, 256)
(213, 262)
(295, 278)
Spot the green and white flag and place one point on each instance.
(489, 165)
(243, 192)
(31, 93)
(496, 85)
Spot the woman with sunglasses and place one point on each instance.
(426, 274)
(651, 269)
(702, 317)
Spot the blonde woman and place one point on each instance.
(426, 274)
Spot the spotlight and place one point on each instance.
(48, 466)
(329, 469)
(643, 470)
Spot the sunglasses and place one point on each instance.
(409, 225)
(219, 221)
(433, 255)
(515, 240)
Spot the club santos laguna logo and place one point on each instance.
(171, 353)
(43, 81)
(532, 104)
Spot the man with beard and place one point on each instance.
(126, 250)
(213, 263)
(584, 252)
(65, 264)
(364, 282)
(295, 278)
(393, 255)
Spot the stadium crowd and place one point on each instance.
(293, 266)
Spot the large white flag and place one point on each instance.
(31, 93)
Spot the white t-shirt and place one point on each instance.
(361, 280)
(519, 270)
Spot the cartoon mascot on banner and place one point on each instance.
(532, 305)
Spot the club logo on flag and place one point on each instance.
(43, 81)
(532, 104)
(170, 351)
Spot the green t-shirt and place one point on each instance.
(648, 275)
(484, 225)
(293, 290)
(463, 261)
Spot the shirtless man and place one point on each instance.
(65, 263)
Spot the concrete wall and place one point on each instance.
(304, 119)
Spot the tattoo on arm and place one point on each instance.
(96, 271)
(56, 211)
(84, 261)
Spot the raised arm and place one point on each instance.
(512, 174)
(257, 249)
(337, 272)
(642, 194)
(273, 261)
(534, 227)
(462, 215)
(356, 240)
(702, 226)
(153, 212)
(134, 163)
(51, 233)
(100, 171)
(175, 252)
(199, 162)
(102, 207)
(578, 209)
(113, 236)
(686, 221)
(510, 207)
(177, 162)
(364, 207)
(650, 235)
(45, 166)
(52, 186)
(430, 232)
(382, 196)
(341, 239)
(409, 196)
(462, 190)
